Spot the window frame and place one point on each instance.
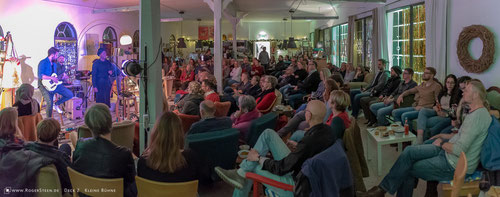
(411, 40)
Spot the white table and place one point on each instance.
(387, 140)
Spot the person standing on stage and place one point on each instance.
(102, 69)
(46, 68)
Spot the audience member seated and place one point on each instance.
(360, 74)
(246, 67)
(255, 88)
(391, 85)
(285, 164)
(338, 119)
(208, 120)
(235, 73)
(266, 99)
(300, 70)
(226, 69)
(427, 93)
(165, 160)
(101, 158)
(307, 86)
(209, 88)
(187, 75)
(377, 85)
(175, 73)
(280, 66)
(257, 69)
(230, 96)
(47, 146)
(381, 109)
(324, 75)
(189, 104)
(25, 104)
(18, 166)
(9, 130)
(297, 122)
(343, 69)
(286, 80)
(437, 161)
(438, 116)
(349, 74)
(245, 83)
(242, 119)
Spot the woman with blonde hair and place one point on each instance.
(190, 103)
(339, 119)
(9, 130)
(165, 160)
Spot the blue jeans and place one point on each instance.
(423, 116)
(302, 107)
(357, 100)
(297, 135)
(269, 140)
(49, 97)
(285, 88)
(407, 113)
(381, 110)
(426, 161)
(431, 123)
(294, 99)
(438, 124)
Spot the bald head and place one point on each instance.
(207, 109)
(317, 110)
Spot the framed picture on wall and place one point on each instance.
(91, 44)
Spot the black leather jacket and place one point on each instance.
(99, 157)
(316, 140)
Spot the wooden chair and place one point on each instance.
(92, 186)
(27, 125)
(457, 187)
(188, 120)
(47, 178)
(222, 108)
(150, 188)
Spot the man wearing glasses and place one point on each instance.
(425, 97)
(381, 109)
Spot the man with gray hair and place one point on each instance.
(208, 120)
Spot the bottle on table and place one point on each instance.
(407, 127)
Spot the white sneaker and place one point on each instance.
(58, 109)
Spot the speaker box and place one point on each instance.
(74, 108)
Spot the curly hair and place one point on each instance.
(195, 88)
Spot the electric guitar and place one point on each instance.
(49, 84)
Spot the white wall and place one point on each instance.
(32, 24)
(461, 15)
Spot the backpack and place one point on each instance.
(490, 156)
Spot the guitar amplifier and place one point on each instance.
(74, 108)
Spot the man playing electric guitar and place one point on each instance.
(46, 69)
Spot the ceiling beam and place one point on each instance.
(314, 17)
(120, 9)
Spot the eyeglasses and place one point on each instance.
(406, 73)
(427, 73)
